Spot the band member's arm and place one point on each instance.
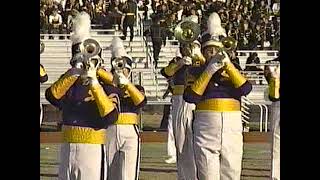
(105, 76)
(171, 69)
(107, 108)
(58, 89)
(241, 84)
(274, 89)
(43, 74)
(201, 83)
(137, 94)
(274, 83)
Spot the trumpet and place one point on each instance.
(229, 43)
(90, 48)
(119, 63)
(42, 46)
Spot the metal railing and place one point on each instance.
(262, 107)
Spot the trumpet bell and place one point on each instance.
(90, 48)
(187, 31)
(42, 46)
(229, 43)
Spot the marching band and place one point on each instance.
(100, 108)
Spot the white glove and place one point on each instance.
(226, 58)
(123, 80)
(215, 63)
(185, 61)
(90, 75)
(275, 71)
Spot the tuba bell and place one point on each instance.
(42, 46)
(187, 31)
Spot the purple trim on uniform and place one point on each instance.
(190, 96)
(126, 103)
(78, 112)
(43, 78)
(218, 87)
(91, 122)
(52, 100)
(218, 91)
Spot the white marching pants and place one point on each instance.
(171, 147)
(218, 144)
(82, 162)
(123, 152)
(275, 142)
(182, 117)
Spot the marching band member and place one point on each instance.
(217, 126)
(43, 74)
(43, 79)
(123, 145)
(272, 74)
(87, 111)
(182, 116)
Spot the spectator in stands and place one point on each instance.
(157, 33)
(244, 36)
(55, 22)
(43, 19)
(171, 24)
(252, 62)
(116, 16)
(234, 59)
(70, 19)
(252, 65)
(194, 16)
(257, 38)
(130, 11)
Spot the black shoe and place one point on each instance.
(123, 38)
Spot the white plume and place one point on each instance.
(81, 28)
(214, 26)
(117, 48)
(116, 43)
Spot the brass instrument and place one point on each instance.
(119, 64)
(186, 32)
(229, 43)
(90, 48)
(42, 46)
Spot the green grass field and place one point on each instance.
(256, 162)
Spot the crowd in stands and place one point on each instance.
(254, 23)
